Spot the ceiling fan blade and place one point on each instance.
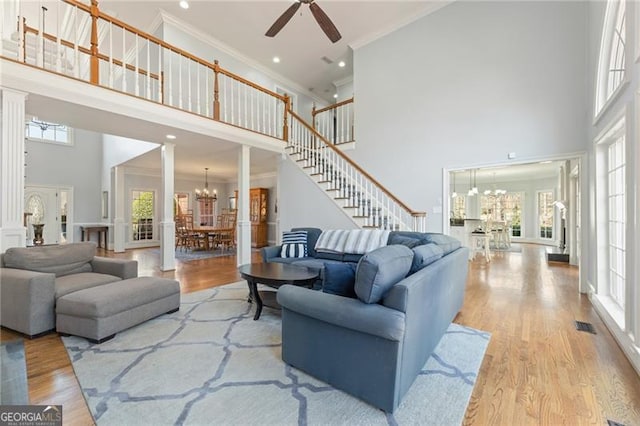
(283, 19)
(325, 23)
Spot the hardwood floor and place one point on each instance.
(537, 370)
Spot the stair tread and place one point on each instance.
(340, 198)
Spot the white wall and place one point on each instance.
(482, 79)
(77, 166)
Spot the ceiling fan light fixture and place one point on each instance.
(321, 18)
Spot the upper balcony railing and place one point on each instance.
(78, 40)
(335, 122)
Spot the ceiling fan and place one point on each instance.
(323, 20)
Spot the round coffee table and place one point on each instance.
(274, 275)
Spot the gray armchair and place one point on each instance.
(31, 279)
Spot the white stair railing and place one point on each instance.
(335, 122)
(371, 205)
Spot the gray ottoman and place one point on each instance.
(98, 313)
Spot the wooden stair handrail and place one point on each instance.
(357, 167)
(330, 107)
(86, 51)
(213, 66)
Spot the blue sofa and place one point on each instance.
(374, 346)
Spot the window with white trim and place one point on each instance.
(612, 63)
(545, 214)
(616, 220)
(142, 207)
(44, 131)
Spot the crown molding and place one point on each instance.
(167, 18)
(429, 8)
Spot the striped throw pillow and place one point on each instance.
(294, 244)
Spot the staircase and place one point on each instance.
(367, 202)
(92, 46)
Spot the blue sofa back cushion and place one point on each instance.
(312, 238)
(404, 240)
(380, 270)
(339, 279)
(425, 255)
(446, 242)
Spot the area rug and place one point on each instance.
(189, 255)
(210, 363)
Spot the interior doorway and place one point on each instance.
(51, 207)
(511, 194)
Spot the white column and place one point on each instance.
(12, 230)
(167, 225)
(119, 223)
(244, 222)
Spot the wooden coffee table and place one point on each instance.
(274, 275)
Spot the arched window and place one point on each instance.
(611, 64)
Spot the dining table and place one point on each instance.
(206, 231)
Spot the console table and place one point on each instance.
(100, 229)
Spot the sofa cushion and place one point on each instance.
(446, 242)
(294, 244)
(339, 278)
(60, 260)
(74, 282)
(312, 238)
(330, 256)
(405, 241)
(288, 260)
(425, 255)
(379, 270)
(352, 257)
(317, 264)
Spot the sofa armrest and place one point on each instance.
(27, 300)
(123, 268)
(269, 253)
(373, 319)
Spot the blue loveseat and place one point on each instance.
(374, 346)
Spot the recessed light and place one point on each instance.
(341, 64)
(171, 137)
(546, 162)
(335, 96)
(184, 4)
(276, 60)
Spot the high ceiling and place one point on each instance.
(301, 45)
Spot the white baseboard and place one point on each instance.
(631, 351)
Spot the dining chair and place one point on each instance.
(480, 240)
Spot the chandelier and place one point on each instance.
(204, 195)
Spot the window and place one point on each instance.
(545, 214)
(611, 64)
(180, 203)
(142, 206)
(459, 207)
(504, 206)
(207, 212)
(616, 219)
(48, 132)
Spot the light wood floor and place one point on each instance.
(538, 369)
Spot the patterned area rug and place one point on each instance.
(210, 363)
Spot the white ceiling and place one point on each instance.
(300, 45)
